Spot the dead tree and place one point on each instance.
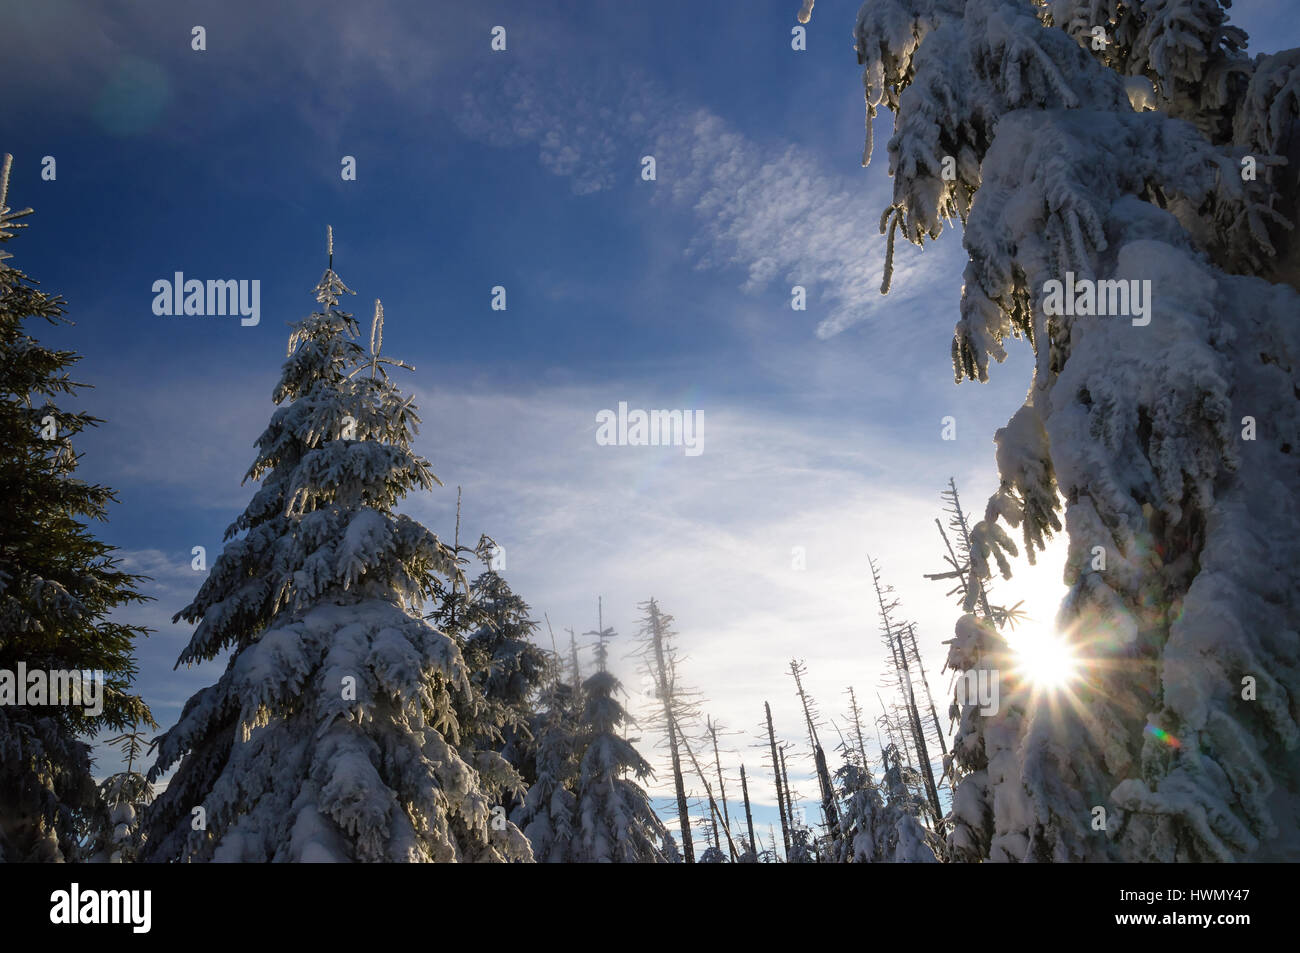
(789, 795)
(749, 817)
(855, 715)
(910, 644)
(715, 814)
(973, 590)
(777, 771)
(892, 633)
(722, 784)
(573, 658)
(556, 664)
(677, 707)
(829, 811)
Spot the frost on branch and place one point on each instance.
(1133, 422)
(338, 730)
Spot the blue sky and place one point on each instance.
(522, 169)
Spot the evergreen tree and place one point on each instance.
(671, 852)
(126, 795)
(905, 840)
(58, 586)
(876, 830)
(548, 814)
(507, 669)
(861, 840)
(1104, 148)
(802, 849)
(618, 823)
(490, 625)
(335, 732)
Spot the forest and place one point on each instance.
(1124, 179)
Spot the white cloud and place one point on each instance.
(777, 213)
(711, 537)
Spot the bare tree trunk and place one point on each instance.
(714, 813)
(722, 784)
(899, 651)
(789, 795)
(923, 755)
(749, 817)
(683, 811)
(829, 813)
(925, 683)
(776, 770)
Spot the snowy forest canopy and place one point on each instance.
(1125, 177)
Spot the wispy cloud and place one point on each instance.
(776, 212)
(711, 537)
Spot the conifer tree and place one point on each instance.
(1126, 180)
(548, 815)
(672, 854)
(126, 794)
(863, 819)
(58, 586)
(507, 669)
(802, 848)
(906, 841)
(876, 830)
(618, 823)
(335, 732)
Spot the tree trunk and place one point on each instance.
(749, 817)
(722, 787)
(776, 770)
(683, 811)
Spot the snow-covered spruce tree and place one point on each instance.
(618, 823)
(875, 831)
(548, 814)
(334, 732)
(802, 848)
(59, 586)
(126, 794)
(672, 853)
(483, 619)
(713, 854)
(1162, 419)
(904, 840)
(507, 669)
(862, 816)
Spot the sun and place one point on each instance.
(1045, 659)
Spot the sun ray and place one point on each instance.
(1044, 659)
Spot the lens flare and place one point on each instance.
(1044, 659)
